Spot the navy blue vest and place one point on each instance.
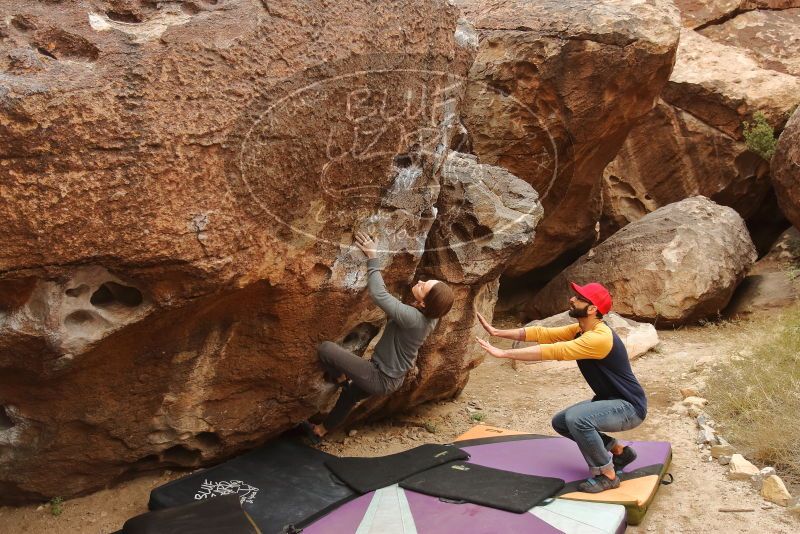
(612, 377)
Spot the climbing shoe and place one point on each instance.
(621, 460)
(598, 484)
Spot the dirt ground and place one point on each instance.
(522, 399)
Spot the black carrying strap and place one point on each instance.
(671, 479)
(460, 482)
(452, 501)
(544, 502)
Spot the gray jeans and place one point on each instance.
(365, 380)
(364, 373)
(585, 424)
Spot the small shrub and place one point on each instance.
(478, 416)
(56, 506)
(759, 136)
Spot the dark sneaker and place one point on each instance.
(598, 484)
(621, 460)
(308, 430)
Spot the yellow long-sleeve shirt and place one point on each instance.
(601, 357)
(560, 343)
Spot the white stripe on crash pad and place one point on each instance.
(579, 517)
(388, 513)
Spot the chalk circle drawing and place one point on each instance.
(301, 154)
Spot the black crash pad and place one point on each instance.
(207, 516)
(368, 474)
(466, 482)
(282, 483)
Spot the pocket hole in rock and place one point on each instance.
(57, 42)
(208, 440)
(483, 233)
(79, 317)
(461, 233)
(460, 143)
(16, 293)
(147, 462)
(113, 294)
(45, 52)
(127, 18)
(181, 455)
(5, 420)
(357, 340)
(319, 274)
(403, 160)
(77, 291)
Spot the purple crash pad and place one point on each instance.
(534, 455)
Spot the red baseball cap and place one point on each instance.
(594, 293)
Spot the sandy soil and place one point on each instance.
(522, 399)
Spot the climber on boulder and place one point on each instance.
(396, 351)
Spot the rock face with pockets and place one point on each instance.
(553, 92)
(692, 142)
(679, 264)
(180, 185)
(786, 170)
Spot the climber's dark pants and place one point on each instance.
(365, 380)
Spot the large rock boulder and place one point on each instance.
(696, 13)
(786, 170)
(699, 14)
(671, 155)
(692, 142)
(770, 283)
(762, 290)
(678, 264)
(786, 249)
(180, 185)
(503, 209)
(554, 91)
(722, 85)
(771, 37)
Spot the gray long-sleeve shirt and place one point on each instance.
(405, 332)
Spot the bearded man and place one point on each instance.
(619, 402)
